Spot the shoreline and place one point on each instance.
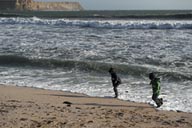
(33, 107)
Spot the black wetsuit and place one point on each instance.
(115, 81)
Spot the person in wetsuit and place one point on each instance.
(155, 82)
(116, 81)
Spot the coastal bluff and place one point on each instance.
(39, 6)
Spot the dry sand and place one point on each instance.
(22, 107)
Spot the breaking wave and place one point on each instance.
(87, 66)
(108, 24)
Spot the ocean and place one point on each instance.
(73, 53)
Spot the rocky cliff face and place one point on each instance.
(55, 6)
(41, 6)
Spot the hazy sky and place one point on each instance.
(132, 4)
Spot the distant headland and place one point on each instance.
(39, 6)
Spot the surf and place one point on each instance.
(101, 24)
(91, 66)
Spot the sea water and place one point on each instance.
(75, 55)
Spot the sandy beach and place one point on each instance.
(22, 107)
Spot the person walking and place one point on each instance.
(155, 82)
(116, 81)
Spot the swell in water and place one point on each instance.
(88, 66)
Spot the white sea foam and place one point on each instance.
(110, 24)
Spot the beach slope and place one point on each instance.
(22, 107)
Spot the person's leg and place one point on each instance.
(154, 97)
(116, 92)
(157, 100)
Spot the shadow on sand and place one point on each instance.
(97, 104)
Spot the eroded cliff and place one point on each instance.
(41, 6)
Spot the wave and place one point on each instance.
(88, 66)
(108, 24)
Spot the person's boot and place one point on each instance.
(116, 95)
(161, 101)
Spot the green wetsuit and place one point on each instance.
(156, 91)
(156, 86)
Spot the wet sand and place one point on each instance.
(22, 107)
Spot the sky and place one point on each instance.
(132, 4)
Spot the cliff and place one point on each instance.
(40, 6)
